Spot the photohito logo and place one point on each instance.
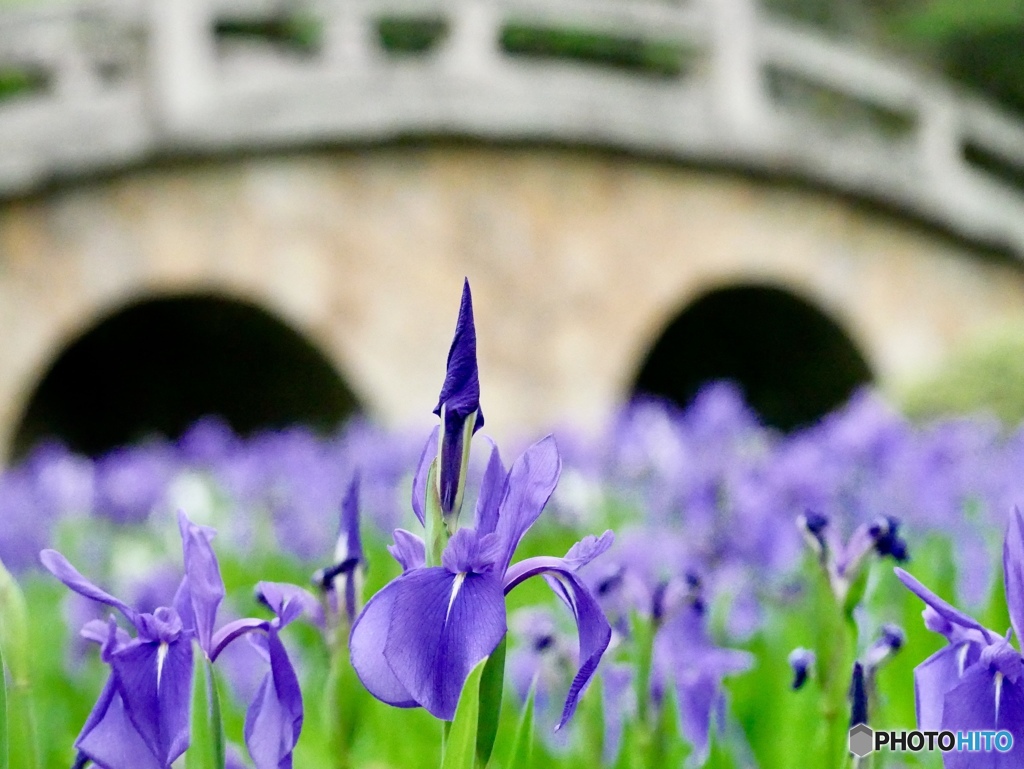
(865, 740)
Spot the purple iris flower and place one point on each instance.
(342, 581)
(418, 638)
(142, 717)
(977, 681)
(458, 406)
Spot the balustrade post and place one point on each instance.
(472, 44)
(739, 101)
(938, 140)
(183, 58)
(349, 42)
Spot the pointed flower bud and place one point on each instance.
(458, 406)
(341, 582)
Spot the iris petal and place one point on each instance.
(408, 550)
(110, 739)
(943, 608)
(155, 683)
(1013, 570)
(972, 705)
(59, 567)
(591, 624)
(531, 481)
(205, 585)
(441, 626)
(491, 487)
(419, 480)
(274, 719)
(366, 648)
(932, 679)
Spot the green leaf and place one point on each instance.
(522, 746)
(436, 530)
(207, 746)
(3, 714)
(460, 746)
(14, 639)
(491, 688)
(343, 706)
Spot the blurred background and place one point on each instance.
(264, 210)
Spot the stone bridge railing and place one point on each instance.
(95, 85)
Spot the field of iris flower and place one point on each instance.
(717, 594)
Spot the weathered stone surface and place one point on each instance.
(577, 262)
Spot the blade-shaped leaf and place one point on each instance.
(522, 746)
(460, 746)
(491, 689)
(22, 729)
(3, 714)
(206, 750)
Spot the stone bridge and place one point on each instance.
(341, 164)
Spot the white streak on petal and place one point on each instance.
(999, 692)
(161, 657)
(456, 586)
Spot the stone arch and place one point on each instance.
(578, 261)
(791, 360)
(157, 364)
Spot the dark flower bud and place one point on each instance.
(885, 532)
(858, 697)
(802, 661)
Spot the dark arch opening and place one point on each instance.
(158, 365)
(793, 363)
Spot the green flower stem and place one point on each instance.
(436, 530)
(14, 640)
(836, 645)
(342, 701)
(207, 749)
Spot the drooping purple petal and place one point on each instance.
(206, 588)
(59, 567)
(984, 701)
(591, 624)
(592, 627)
(441, 626)
(155, 683)
(408, 550)
(366, 648)
(232, 630)
(274, 719)
(491, 487)
(943, 608)
(110, 739)
(419, 481)
(531, 481)
(1013, 570)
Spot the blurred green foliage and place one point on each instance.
(984, 376)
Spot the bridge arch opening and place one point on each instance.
(792, 361)
(157, 365)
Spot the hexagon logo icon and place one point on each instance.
(862, 740)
